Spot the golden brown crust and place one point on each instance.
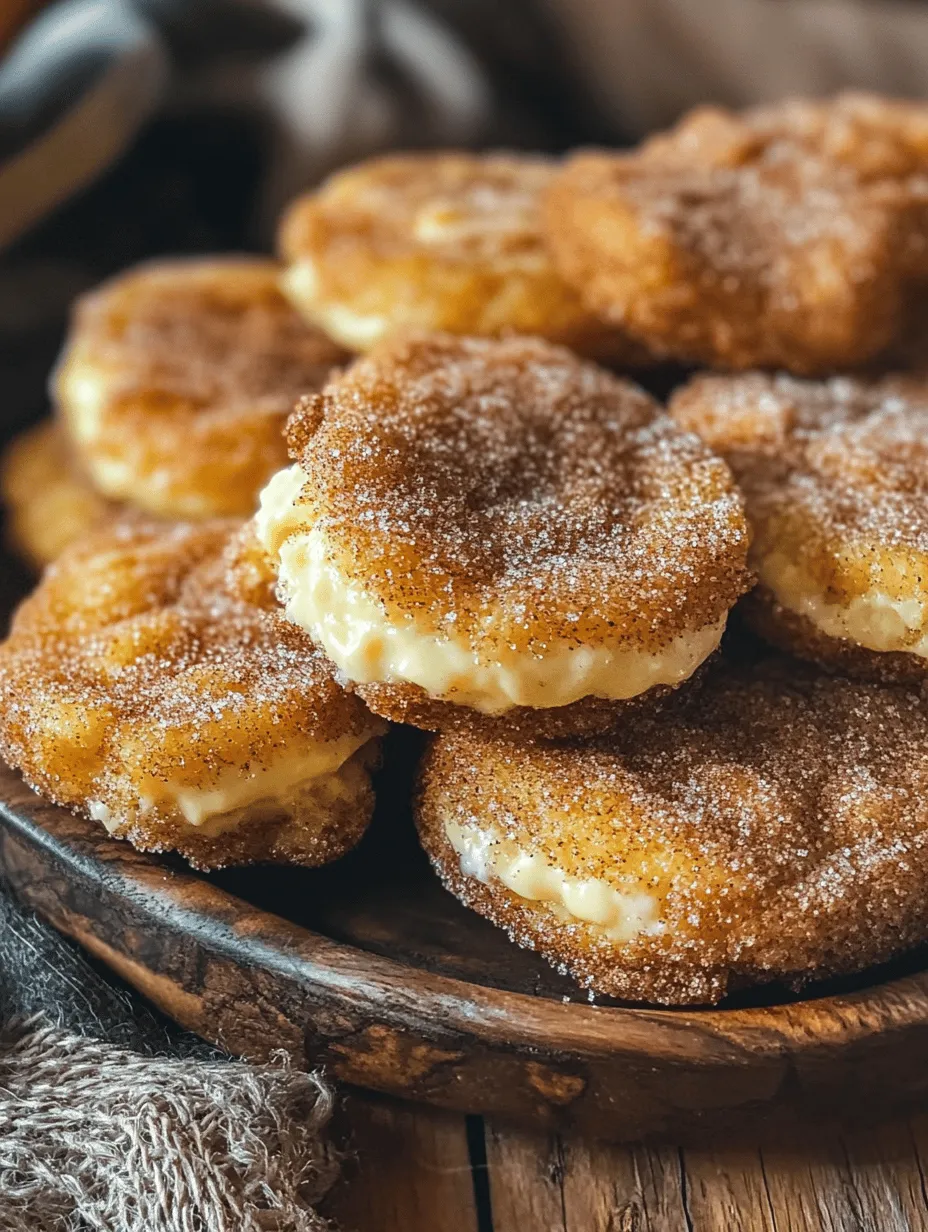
(152, 662)
(447, 241)
(797, 635)
(590, 716)
(514, 493)
(784, 236)
(835, 479)
(177, 379)
(779, 820)
(274, 835)
(49, 502)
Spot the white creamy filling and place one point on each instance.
(236, 792)
(444, 222)
(621, 915)
(874, 620)
(484, 227)
(356, 634)
(81, 388)
(355, 330)
(82, 391)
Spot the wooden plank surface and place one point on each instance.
(405, 1168)
(418, 1170)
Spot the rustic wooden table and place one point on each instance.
(414, 1169)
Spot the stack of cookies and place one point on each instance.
(673, 657)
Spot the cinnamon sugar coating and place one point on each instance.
(775, 828)
(151, 683)
(835, 477)
(511, 497)
(449, 241)
(177, 379)
(785, 236)
(590, 716)
(48, 500)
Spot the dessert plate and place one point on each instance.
(371, 969)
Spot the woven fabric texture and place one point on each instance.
(151, 1131)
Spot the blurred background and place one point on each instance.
(133, 129)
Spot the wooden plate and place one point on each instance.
(370, 968)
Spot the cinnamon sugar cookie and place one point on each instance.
(835, 476)
(786, 236)
(177, 379)
(151, 683)
(773, 826)
(48, 500)
(498, 529)
(445, 241)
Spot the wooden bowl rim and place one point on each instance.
(205, 913)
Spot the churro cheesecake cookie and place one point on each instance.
(49, 501)
(786, 236)
(497, 529)
(772, 826)
(151, 683)
(447, 241)
(835, 476)
(176, 381)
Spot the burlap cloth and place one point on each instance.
(151, 1131)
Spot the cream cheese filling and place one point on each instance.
(236, 792)
(621, 915)
(356, 634)
(357, 331)
(481, 216)
(875, 620)
(82, 389)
